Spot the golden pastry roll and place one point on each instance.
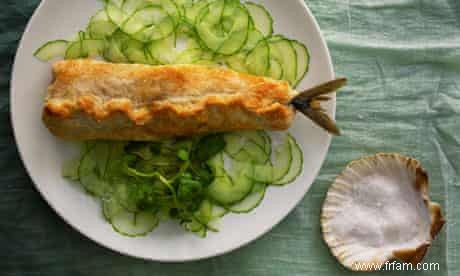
(92, 99)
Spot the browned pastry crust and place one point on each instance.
(92, 99)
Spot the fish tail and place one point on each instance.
(309, 103)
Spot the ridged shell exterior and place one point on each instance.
(379, 210)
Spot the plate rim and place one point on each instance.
(80, 230)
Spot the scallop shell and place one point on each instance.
(379, 210)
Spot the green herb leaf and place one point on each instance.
(70, 168)
(189, 188)
(140, 149)
(203, 172)
(207, 147)
(183, 155)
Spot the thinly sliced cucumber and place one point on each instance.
(99, 16)
(134, 224)
(220, 188)
(254, 37)
(230, 7)
(250, 202)
(258, 60)
(101, 29)
(210, 29)
(110, 208)
(276, 70)
(187, 29)
(78, 36)
(182, 5)
(202, 233)
(211, 56)
(218, 211)
(131, 6)
(214, 224)
(217, 165)
(84, 35)
(75, 50)
(237, 62)
(193, 226)
(283, 159)
(116, 3)
(80, 48)
(249, 146)
(201, 219)
(136, 52)
(268, 142)
(186, 37)
(225, 26)
(156, 32)
(257, 136)
(114, 49)
(196, 228)
(253, 153)
(243, 156)
(216, 161)
(149, 23)
(122, 194)
(296, 164)
(277, 37)
(234, 42)
(283, 51)
(52, 49)
(192, 13)
(263, 173)
(93, 47)
(208, 24)
(139, 56)
(303, 61)
(227, 190)
(204, 213)
(81, 35)
(164, 50)
(92, 169)
(189, 56)
(115, 13)
(100, 155)
(234, 143)
(114, 54)
(237, 140)
(205, 62)
(261, 18)
(168, 5)
(114, 159)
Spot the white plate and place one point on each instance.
(43, 154)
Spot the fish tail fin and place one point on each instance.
(309, 103)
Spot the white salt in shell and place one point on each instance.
(379, 210)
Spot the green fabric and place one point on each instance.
(403, 61)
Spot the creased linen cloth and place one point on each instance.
(402, 58)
